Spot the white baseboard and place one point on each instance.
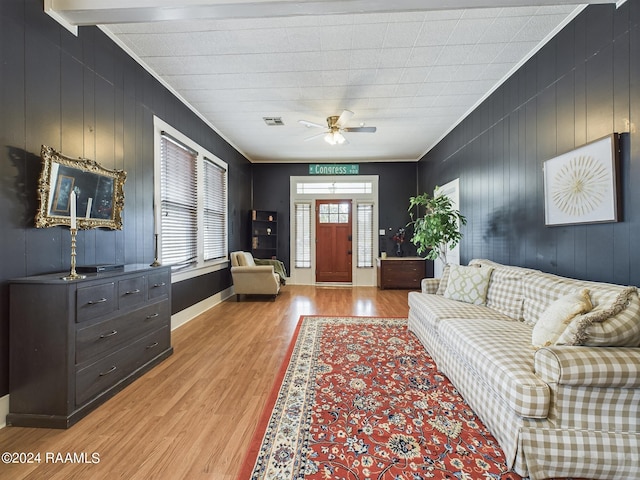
(4, 410)
(188, 314)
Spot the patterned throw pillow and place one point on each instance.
(468, 284)
(554, 320)
(614, 325)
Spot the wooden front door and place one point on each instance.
(333, 241)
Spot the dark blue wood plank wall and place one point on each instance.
(582, 85)
(86, 97)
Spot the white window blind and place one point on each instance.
(215, 208)
(303, 235)
(364, 218)
(179, 202)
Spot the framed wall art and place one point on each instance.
(99, 190)
(581, 186)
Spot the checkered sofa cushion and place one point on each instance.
(542, 289)
(500, 350)
(505, 292)
(444, 280)
(434, 308)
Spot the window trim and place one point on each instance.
(201, 266)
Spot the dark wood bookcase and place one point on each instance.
(264, 233)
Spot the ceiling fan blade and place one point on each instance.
(315, 136)
(344, 118)
(311, 124)
(360, 129)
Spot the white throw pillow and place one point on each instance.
(554, 320)
(468, 284)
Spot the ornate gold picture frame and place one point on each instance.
(581, 186)
(99, 192)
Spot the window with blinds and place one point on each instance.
(215, 211)
(364, 219)
(303, 235)
(191, 198)
(179, 202)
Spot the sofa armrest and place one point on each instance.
(589, 366)
(430, 285)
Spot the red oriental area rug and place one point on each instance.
(359, 399)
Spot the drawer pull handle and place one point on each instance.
(154, 344)
(132, 292)
(159, 285)
(111, 370)
(149, 317)
(110, 334)
(93, 302)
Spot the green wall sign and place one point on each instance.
(334, 169)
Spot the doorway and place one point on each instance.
(334, 251)
(360, 192)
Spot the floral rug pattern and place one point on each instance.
(361, 399)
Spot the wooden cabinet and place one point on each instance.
(264, 233)
(74, 344)
(402, 272)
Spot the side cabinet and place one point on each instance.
(74, 344)
(402, 272)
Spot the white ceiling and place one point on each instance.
(414, 74)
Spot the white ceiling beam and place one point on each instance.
(104, 12)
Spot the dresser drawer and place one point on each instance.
(132, 292)
(404, 266)
(95, 301)
(103, 336)
(108, 371)
(401, 272)
(158, 284)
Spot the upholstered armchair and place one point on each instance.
(252, 279)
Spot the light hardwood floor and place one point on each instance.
(193, 416)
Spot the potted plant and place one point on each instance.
(439, 228)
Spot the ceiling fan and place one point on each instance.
(336, 126)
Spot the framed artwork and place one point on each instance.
(581, 186)
(99, 192)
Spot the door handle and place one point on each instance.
(350, 237)
(349, 252)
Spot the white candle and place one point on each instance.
(89, 202)
(72, 208)
(156, 220)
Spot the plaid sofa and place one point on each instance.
(558, 411)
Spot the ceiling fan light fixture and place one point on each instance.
(334, 138)
(330, 139)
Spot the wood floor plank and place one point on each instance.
(193, 416)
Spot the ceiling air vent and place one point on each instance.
(273, 121)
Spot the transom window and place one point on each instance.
(332, 188)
